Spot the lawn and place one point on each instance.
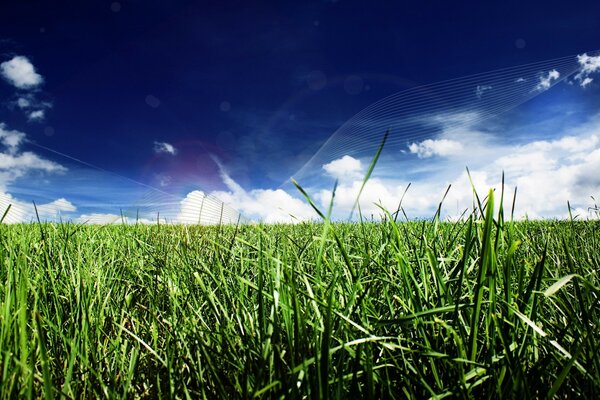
(480, 308)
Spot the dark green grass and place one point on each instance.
(476, 309)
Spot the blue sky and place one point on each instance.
(143, 107)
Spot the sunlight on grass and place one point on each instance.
(479, 308)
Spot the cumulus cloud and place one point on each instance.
(14, 163)
(547, 173)
(37, 115)
(546, 80)
(438, 147)
(343, 168)
(33, 108)
(199, 208)
(588, 65)
(266, 205)
(28, 161)
(164, 148)
(56, 207)
(23, 102)
(21, 211)
(11, 139)
(20, 72)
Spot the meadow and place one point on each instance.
(480, 308)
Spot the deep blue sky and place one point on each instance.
(259, 84)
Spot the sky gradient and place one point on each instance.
(147, 105)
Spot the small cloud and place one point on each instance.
(520, 80)
(588, 65)
(547, 80)
(439, 147)
(481, 89)
(164, 180)
(37, 115)
(11, 139)
(34, 109)
(56, 207)
(164, 147)
(344, 167)
(23, 103)
(20, 72)
(586, 81)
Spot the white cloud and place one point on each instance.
(548, 173)
(108, 219)
(588, 65)
(56, 208)
(11, 139)
(198, 208)
(25, 212)
(163, 147)
(28, 161)
(163, 180)
(21, 73)
(266, 205)
(37, 115)
(343, 168)
(439, 147)
(23, 102)
(586, 81)
(33, 108)
(14, 164)
(547, 80)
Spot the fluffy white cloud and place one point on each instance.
(23, 102)
(439, 147)
(21, 211)
(266, 205)
(343, 168)
(164, 148)
(15, 164)
(37, 115)
(56, 207)
(588, 65)
(20, 72)
(28, 161)
(546, 80)
(198, 208)
(11, 139)
(107, 219)
(33, 108)
(547, 173)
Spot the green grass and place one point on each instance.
(484, 308)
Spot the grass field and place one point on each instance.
(483, 308)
